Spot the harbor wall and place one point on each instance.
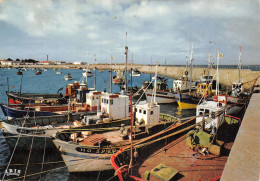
(226, 76)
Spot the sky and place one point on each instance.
(157, 31)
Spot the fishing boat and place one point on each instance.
(58, 72)
(19, 72)
(68, 77)
(163, 94)
(40, 128)
(209, 143)
(45, 69)
(38, 72)
(136, 73)
(87, 73)
(91, 151)
(30, 98)
(13, 111)
(80, 150)
(118, 78)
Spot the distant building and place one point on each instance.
(47, 63)
(6, 62)
(79, 63)
(61, 63)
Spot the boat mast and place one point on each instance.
(95, 77)
(155, 83)
(217, 86)
(111, 58)
(131, 131)
(126, 57)
(239, 66)
(209, 64)
(21, 84)
(191, 64)
(8, 89)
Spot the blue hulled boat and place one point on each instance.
(19, 112)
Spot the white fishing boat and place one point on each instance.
(68, 77)
(58, 72)
(136, 73)
(87, 73)
(211, 110)
(79, 150)
(160, 92)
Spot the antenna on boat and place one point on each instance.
(239, 66)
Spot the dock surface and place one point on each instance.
(244, 160)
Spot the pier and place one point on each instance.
(244, 159)
(226, 76)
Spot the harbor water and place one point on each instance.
(53, 167)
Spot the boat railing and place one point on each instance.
(167, 117)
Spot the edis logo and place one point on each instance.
(10, 171)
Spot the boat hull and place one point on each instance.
(12, 113)
(161, 97)
(80, 161)
(186, 101)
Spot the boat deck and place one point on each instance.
(190, 165)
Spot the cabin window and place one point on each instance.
(201, 113)
(107, 101)
(92, 98)
(206, 111)
(140, 110)
(135, 109)
(151, 113)
(102, 100)
(96, 97)
(111, 102)
(144, 112)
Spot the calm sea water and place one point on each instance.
(50, 82)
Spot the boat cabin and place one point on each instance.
(206, 78)
(210, 111)
(93, 99)
(116, 106)
(204, 89)
(237, 89)
(183, 85)
(147, 114)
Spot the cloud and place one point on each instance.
(163, 29)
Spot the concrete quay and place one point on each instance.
(226, 76)
(244, 160)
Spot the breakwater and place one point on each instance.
(226, 76)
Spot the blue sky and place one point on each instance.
(82, 30)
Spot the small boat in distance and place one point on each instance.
(19, 72)
(136, 73)
(87, 73)
(119, 78)
(68, 77)
(45, 69)
(58, 72)
(38, 72)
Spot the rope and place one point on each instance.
(13, 152)
(43, 157)
(37, 173)
(28, 159)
